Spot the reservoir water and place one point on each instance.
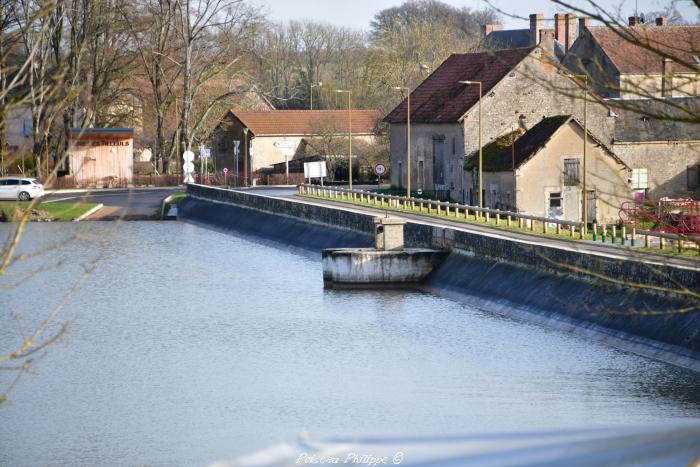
(187, 345)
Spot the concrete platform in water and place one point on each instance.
(367, 266)
(387, 264)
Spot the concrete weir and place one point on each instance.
(556, 287)
(389, 263)
(368, 266)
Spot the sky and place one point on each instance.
(358, 13)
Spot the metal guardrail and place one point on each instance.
(524, 221)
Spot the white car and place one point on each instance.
(21, 188)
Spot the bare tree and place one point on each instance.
(151, 28)
(213, 35)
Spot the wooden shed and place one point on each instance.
(102, 157)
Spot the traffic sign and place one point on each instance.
(380, 169)
(188, 156)
(188, 167)
(205, 153)
(288, 148)
(225, 170)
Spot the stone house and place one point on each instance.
(661, 144)
(541, 173)
(520, 87)
(656, 100)
(620, 68)
(271, 133)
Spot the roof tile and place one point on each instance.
(307, 122)
(677, 41)
(441, 99)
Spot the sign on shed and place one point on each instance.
(101, 156)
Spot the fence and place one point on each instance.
(524, 221)
(447, 209)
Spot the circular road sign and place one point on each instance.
(225, 170)
(380, 169)
(188, 156)
(188, 167)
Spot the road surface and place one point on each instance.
(136, 203)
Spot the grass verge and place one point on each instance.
(670, 250)
(11, 211)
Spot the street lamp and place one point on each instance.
(312, 92)
(408, 138)
(349, 93)
(584, 215)
(245, 157)
(481, 150)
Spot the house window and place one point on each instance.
(640, 179)
(572, 172)
(555, 200)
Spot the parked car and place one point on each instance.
(21, 188)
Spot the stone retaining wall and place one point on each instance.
(555, 287)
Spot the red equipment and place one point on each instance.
(680, 216)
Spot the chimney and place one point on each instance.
(536, 24)
(662, 21)
(667, 78)
(583, 24)
(489, 28)
(634, 21)
(570, 31)
(547, 40)
(560, 27)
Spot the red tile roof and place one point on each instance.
(441, 99)
(307, 122)
(677, 41)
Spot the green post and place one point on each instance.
(624, 235)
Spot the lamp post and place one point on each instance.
(349, 93)
(245, 157)
(584, 215)
(481, 148)
(408, 138)
(312, 92)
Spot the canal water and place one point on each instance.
(187, 345)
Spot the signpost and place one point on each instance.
(188, 166)
(288, 148)
(236, 153)
(380, 170)
(315, 170)
(225, 175)
(204, 156)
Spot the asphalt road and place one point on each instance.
(127, 203)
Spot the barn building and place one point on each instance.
(102, 157)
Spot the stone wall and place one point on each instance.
(667, 163)
(557, 287)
